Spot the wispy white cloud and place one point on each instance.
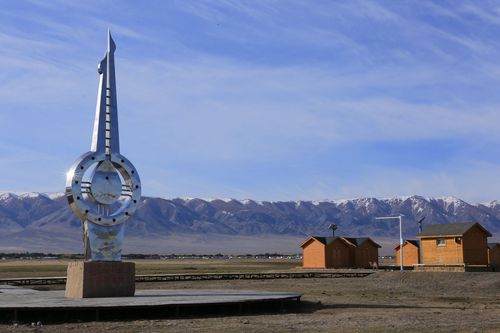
(489, 16)
(236, 87)
(297, 102)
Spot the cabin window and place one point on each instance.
(441, 242)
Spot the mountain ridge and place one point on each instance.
(31, 218)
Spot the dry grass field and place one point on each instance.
(47, 268)
(381, 302)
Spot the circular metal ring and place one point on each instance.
(79, 194)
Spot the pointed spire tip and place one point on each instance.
(111, 42)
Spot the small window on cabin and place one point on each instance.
(440, 242)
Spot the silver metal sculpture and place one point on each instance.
(102, 187)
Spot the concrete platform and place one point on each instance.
(87, 279)
(27, 304)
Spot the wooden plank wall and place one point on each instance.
(410, 255)
(314, 255)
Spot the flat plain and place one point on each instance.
(382, 302)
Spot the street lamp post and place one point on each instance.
(400, 218)
(420, 240)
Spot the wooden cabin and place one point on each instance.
(454, 244)
(411, 248)
(494, 255)
(342, 253)
(317, 252)
(365, 252)
(339, 252)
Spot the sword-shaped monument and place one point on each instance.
(103, 189)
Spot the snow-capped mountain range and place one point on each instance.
(37, 221)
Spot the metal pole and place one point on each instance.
(420, 240)
(400, 217)
(401, 241)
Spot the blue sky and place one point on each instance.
(271, 100)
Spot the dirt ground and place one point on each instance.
(381, 302)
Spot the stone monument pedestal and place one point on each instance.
(87, 279)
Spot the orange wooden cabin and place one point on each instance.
(411, 248)
(494, 255)
(339, 252)
(454, 244)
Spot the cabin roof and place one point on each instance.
(325, 240)
(411, 241)
(492, 245)
(321, 239)
(360, 240)
(356, 241)
(450, 229)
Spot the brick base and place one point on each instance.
(86, 279)
(452, 268)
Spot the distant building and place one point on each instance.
(494, 255)
(410, 253)
(339, 252)
(455, 243)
